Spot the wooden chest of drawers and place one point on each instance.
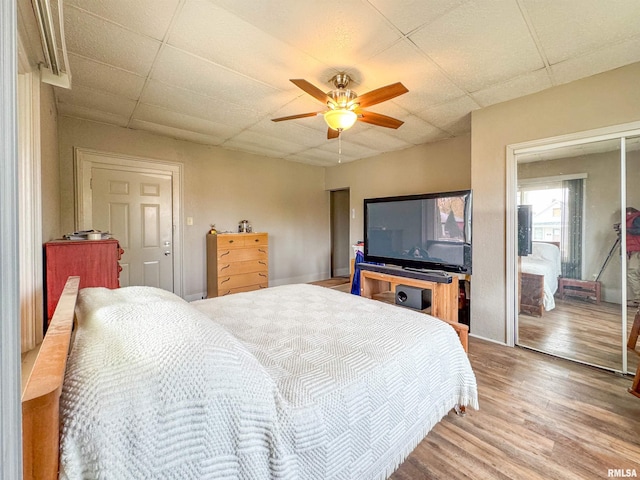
(237, 262)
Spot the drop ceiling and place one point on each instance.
(216, 71)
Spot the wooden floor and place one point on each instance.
(540, 417)
(582, 331)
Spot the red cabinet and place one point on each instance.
(95, 261)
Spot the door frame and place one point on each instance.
(631, 129)
(85, 159)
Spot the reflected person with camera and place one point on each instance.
(633, 256)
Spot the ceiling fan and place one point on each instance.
(346, 107)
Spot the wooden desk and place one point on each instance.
(444, 296)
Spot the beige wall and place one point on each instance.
(50, 171)
(286, 199)
(602, 100)
(435, 167)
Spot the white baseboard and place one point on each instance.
(342, 272)
(300, 279)
(488, 340)
(195, 296)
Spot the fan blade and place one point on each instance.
(331, 133)
(311, 89)
(293, 117)
(381, 94)
(378, 119)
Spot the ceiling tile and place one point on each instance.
(378, 138)
(225, 39)
(566, 29)
(94, 99)
(426, 83)
(444, 116)
(413, 13)
(247, 138)
(306, 135)
(480, 43)
(336, 33)
(255, 149)
(598, 61)
(513, 88)
(350, 151)
(417, 131)
(175, 133)
(178, 68)
(315, 157)
(69, 110)
(106, 42)
(148, 17)
(173, 119)
(109, 79)
(195, 105)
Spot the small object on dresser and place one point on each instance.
(213, 230)
(243, 225)
(88, 235)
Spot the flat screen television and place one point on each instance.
(431, 231)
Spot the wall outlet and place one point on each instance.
(189, 220)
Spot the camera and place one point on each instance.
(616, 227)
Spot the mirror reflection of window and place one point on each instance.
(451, 210)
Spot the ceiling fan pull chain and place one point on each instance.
(339, 148)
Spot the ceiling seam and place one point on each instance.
(163, 44)
(536, 40)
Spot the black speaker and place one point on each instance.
(525, 234)
(413, 297)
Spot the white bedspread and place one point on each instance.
(291, 382)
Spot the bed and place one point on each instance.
(539, 278)
(290, 382)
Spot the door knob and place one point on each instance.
(167, 243)
(167, 252)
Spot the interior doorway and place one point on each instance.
(138, 202)
(340, 225)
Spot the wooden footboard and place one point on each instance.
(532, 294)
(41, 395)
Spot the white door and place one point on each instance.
(136, 208)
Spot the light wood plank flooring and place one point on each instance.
(581, 331)
(540, 417)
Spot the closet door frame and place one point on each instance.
(512, 151)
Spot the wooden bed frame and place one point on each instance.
(41, 394)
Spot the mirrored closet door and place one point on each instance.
(571, 298)
(632, 164)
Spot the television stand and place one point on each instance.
(377, 279)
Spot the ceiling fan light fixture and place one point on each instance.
(340, 119)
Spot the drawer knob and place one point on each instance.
(225, 280)
(226, 266)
